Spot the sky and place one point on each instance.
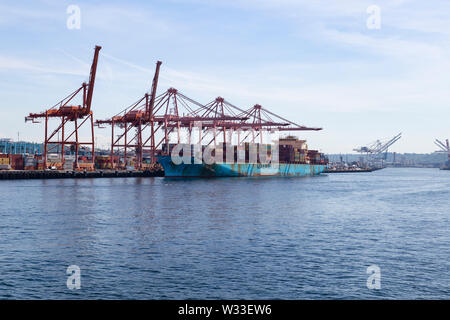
(317, 63)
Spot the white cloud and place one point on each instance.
(26, 15)
(9, 63)
(127, 19)
(388, 46)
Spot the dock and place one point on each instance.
(350, 170)
(55, 174)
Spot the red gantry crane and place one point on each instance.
(66, 112)
(137, 116)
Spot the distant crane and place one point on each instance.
(445, 148)
(378, 147)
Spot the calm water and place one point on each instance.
(286, 238)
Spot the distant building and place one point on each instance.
(20, 147)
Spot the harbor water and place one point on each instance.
(229, 238)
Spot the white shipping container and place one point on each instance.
(30, 162)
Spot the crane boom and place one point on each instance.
(92, 79)
(440, 144)
(378, 147)
(154, 87)
(445, 148)
(386, 146)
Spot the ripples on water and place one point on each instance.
(249, 238)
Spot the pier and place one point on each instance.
(55, 174)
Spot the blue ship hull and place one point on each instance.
(238, 169)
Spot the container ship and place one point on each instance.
(294, 159)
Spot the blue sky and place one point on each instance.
(312, 61)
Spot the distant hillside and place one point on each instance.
(436, 159)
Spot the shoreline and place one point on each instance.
(55, 174)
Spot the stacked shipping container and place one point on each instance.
(4, 162)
